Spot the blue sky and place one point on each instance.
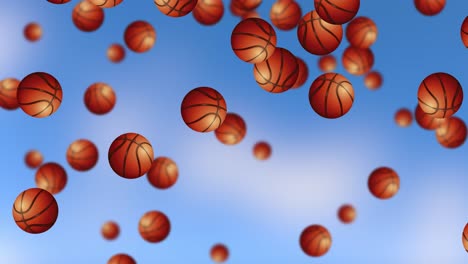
(223, 195)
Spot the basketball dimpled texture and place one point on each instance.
(285, 14)
(175, 8)
(429, 7)
(8, 93)
(163, 173)
(140, 36)
(106, 3)
(315, 240)
(154, 226)
(51, 177)
(82, 155)
(87, 17)
(337, 12)
(383, 183)
(361, 32)
(121, 259)
(219, 253)
(208, 12)
(452, 132)
(99, 98)
(357, 61)
(232, 131)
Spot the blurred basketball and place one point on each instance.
(318, 36)
(58, 1)
(253, 40)
(403, 117)
(465, 237)
(208, 12)
(106, 3)
(39, 94)
(440, 95)
(35, 210)
(246, 5)
(235, 10)
(175, 8)
(426, 121)
(361, 32)
(8, 93)
(303, 73)
(327, 63)
(464, 32)
(315, 240)
(82, 155)
(99, 98)
(232, 131)
(140, 36)
(87, 16)
(250, 14)
(154, 226)
(346, 214)
(451, 132)
(429, 7)
(357, 61)
(121, 259)
(110, 230)
(262, 150)
(383, 183)
(115, 53)
(278, 73)
(163, 173)
(130, 155)
(285, 14)
(331, 95)
(32, 32)
(203, 109)
(337, 12)
(33, 159)
(373, 80)
(219, 253)
(51, 177)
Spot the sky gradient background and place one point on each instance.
(258, 209)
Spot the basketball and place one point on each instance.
(246, 5)
(253, 40)
(33, 159)
(403, 117)
(219, 253)
(426, 121)
(175, 8)
(235, 10)
(383, 183)
(115, 53)
(346, 214)
(278, 73)
(315, 240)
(39, 94)
(130, 155)
(208, 12)
(110, 230)
(99, 98)
(106, 3)
(203, 109)
(232, 131)
(285, 14)
(87, 17)
(51, 177)
(303, 73)
(337, 12)
(373, 80)
(357, 61)
(32, 32)
(8, 93)
(154, 226)
(429, 7)
(82, 155)
(440, 95)
(465, 237)
(361, 32)
(250, 14)
(464, 32)
(121, 259)
(163, 173)
(140, 36)
(58, 1)
(262, 150)
(35, 210)
(451, 132)
(327, 63)
(331, 95)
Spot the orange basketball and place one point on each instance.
(51, 177)
(115, 53)
(8, 93)
(318, 36)
(253, 40)
(208, 12)
(327, 63)
(154, 226)
(426, 121)
(32, 32)
(250, 14)
(429, 7)
(235, 10)
(464, 32)
(110, 230)
(87, 16)
(58, 1)
(357, 61)
(121, 259)
(440, 95)
(373, 80)
(106, 3)
(203, 109)
(99, 98)
(246, 5)
(403, 117)
(383, 183)
(465, 237)
(331, 95)
(175, 8)
(33, 159)
(361, 32)
(232, 131)
(303, 73)
(262, 150)
(140, 36)
(452, 132)
(39, 94)
(315, 240)
(163, 173)
(35, 210)
(219, 253)
(82, 155)
(285, 14)
(337, 12)
(347, 213)
(130, 155)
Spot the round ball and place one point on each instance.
(203, 109)
(51, 177)
(58, 1)
(154, 226)
(327, 63)
(285, 14)
(163, 173)
(246, 5)
(452, 132)
(429, 7)
(208, 12)
(331, 95)
(87, 16)
(253, 40)
(315, 240)
(347, 214)
(357, 61)
(33, 159)
(39, 94)
(35, 210)
(32, 32)
(99, 98)
(106, 3)
(361, 32)
(130, 155)
(235, 10)
(110, 230)
(318, 36)
(403, 117)
(175, 8)
(464, 32)
(383, 183)
(250, 14)
(440, 95)
(121, 259)
(82, 155)
(426, 121)
(140, 36)
(232, 131)
(219, 253)
(262, 150)
(373, 80)
(8, 93)
(465, 237)
(337, 12)
(303, 73)
(115, 53)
